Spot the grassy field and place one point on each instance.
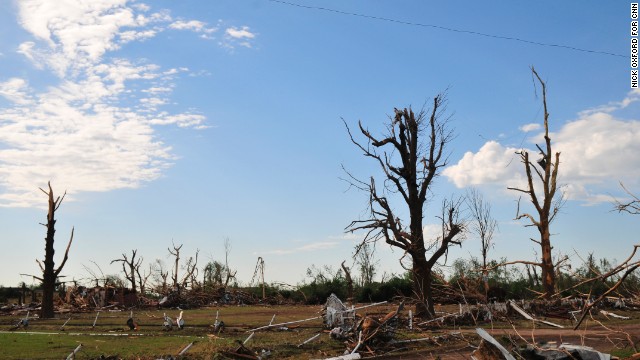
(44, 339)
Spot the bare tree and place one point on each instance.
(409, 165)
(230, 274)
(484, 225)
(349, 281)
(143, 278)
(366, 263)
(191, 272)
(49, 272)
(190, 267)
(160, 276)
(176, 267)
(544, 200)
(130, 267)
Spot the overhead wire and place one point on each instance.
(471, 32)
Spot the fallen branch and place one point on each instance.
(529, 317)
(284, 323)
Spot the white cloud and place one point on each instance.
(15, 90)
(238, 36)
(128, 36)
(597, 150)
(530, 127)
(192, 25)
(92, 130)
(493, 163)
(242, 33)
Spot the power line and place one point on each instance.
(477, 33)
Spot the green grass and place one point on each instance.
(43, 339)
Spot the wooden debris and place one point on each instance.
(248, 338)
(95, 320)
(65, 323)
(74, 352)
(284, 323)
(606, 313)
(529, 317)
(490, 348)
(309, 340)
(346, 357)
(185, 349)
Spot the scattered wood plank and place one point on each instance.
(284, 323)
(529, 317)
(607, 313)
(490, 348)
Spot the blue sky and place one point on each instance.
(196, 121)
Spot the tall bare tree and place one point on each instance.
(409, 164)
(130, 267)
(366, 262)
(176, 267)
(49, 272)
(484, 225)
(544, 198)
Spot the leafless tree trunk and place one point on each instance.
(160, 276)
(176, 266)
(143, 278)
(349, 280)
(366, 263)
(227, 251)
(409, 164)
(49, 273)
(484, 225)
(133, 266)
(546, 204)
(191, 272)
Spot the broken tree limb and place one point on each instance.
(355, 349)
(65, 323)
(489, 339)
(96, 320)
(309, 340)
(630, 269)
(284, 323)
(355, 356)
(186, 348)
(74, 352)
(606, 313)
(436, 319)
(529, 317)
(366, 306)
(248, 338)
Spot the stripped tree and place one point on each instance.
(409, 164)
(484, 225)
(49, 272)
(130, 267)
(544, 197)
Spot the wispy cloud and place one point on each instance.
(530, 127)
(241, 36)
(193, 25)
(95, 128)
(316, 246)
